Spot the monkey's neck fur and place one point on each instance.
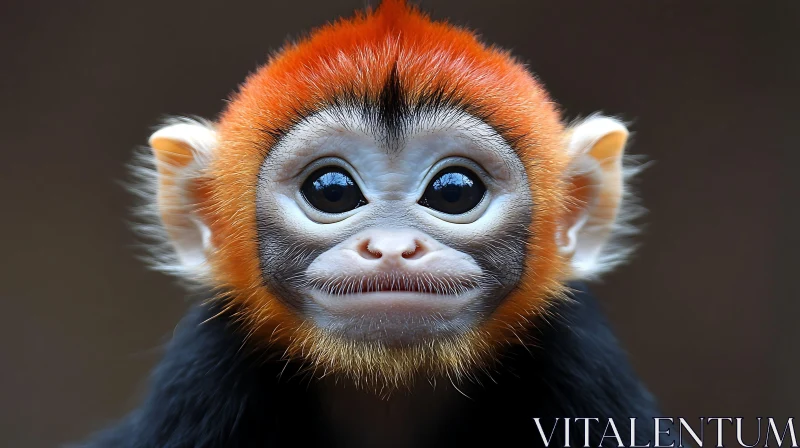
(205, 393)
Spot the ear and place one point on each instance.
(596, 185)
(182, 150)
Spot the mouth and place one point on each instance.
(394, 292)
(394, 282)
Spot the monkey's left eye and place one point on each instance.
(332, 190)
(454, 191)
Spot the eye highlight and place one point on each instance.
(454, 191)
(332, 190)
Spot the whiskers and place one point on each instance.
(424, 283)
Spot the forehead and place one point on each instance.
(417, 137)
(393, 113)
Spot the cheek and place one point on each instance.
(287, 218)
(498, 240)
(288, 241)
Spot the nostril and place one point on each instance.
(367, 252)
(417, 251)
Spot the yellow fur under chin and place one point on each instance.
(372, 365)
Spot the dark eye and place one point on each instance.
(454, 191)
(332, 190)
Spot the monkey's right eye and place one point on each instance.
(332, 190)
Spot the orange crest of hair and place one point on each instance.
(356, 55)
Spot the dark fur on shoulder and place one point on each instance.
(208, 392)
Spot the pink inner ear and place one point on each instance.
(171, 153)
(609, 148)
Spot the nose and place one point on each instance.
(392, 245)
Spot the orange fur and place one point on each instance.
(357, 54)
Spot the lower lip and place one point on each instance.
(394, 301)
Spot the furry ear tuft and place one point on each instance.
(601, 206)
(169, 176)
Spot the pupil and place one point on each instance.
(334, 193)
(451, 185)
(332, 185)
(451, 193)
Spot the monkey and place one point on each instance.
(390, 228)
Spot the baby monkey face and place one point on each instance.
(388, 197)
(396, 234)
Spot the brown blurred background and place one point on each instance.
(708, 309)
